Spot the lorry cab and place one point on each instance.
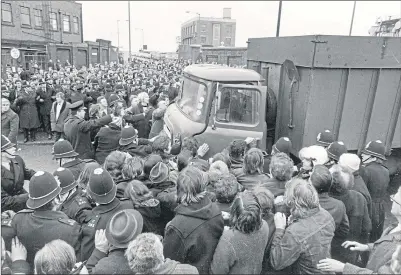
(218, 104)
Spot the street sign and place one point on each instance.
(15, 53)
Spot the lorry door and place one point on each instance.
(237, 112)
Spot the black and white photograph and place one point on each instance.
(200, 137)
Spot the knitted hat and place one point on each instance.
(376, 149)
(66, 179)
(325, 138)
(159, 173)
(128, 135)
(101, 186)
(43, 188)
(63, 149)
(283, 145)
(123, 228)
(336, 149)
(6, 143)
(351, 161)
(151, 162)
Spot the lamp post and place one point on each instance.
(279, 19)
(352, 19)
(143, 39)
(129, 28)
(198, 29)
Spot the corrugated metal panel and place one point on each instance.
(356, 100)
(324, 87)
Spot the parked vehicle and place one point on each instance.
(298, 86)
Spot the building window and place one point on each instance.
(229, 29)
(25, 16)
(203, 39)
(66, 23)
(228, 41)
(75, 24)
(38, 18)
(6, 12)
(53, 21)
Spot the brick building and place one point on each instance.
(209, 31)
(44, 30)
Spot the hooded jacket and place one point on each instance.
(192, 236)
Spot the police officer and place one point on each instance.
(377, 179)
(325, 138)
(102, 189)
(68, 158)
(73, 204)
(13, 174)
(78, 131)
(334, 151)
(40, 224)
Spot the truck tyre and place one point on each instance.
(271, 107)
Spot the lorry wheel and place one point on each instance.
(271, 107)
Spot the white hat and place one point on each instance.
(317, 154)
(350, 161)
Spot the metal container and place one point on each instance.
(350, 85)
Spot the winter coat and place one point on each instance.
(16, 267)
(359, 223)
(151, 214)
(337, 210)
(192, 236)
(35, 228)
(13, 194)
(173, 267)
(46, 95)
(77, 132)
(76, 166)
(166, 194)
(10, 125)
(381, 252)
(240, 253)
(303, 243)
(275, 186)
(250, 181)
(28, 114)
(98, 219)
(57, 125)
(157, 123)
(142, 149)
(113, 263)
(360, 186)
(139, 121)
(106, 141)
(377, 179)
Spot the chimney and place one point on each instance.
(227, 13)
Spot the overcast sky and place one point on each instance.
(161, 20)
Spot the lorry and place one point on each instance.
(297, 87)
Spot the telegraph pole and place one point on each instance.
(129, 28)
(279, 19)
(352, 19)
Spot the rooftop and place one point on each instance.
(214, 19)
(220, 73)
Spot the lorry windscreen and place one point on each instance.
(193, 99)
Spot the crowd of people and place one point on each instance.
(128, 200)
